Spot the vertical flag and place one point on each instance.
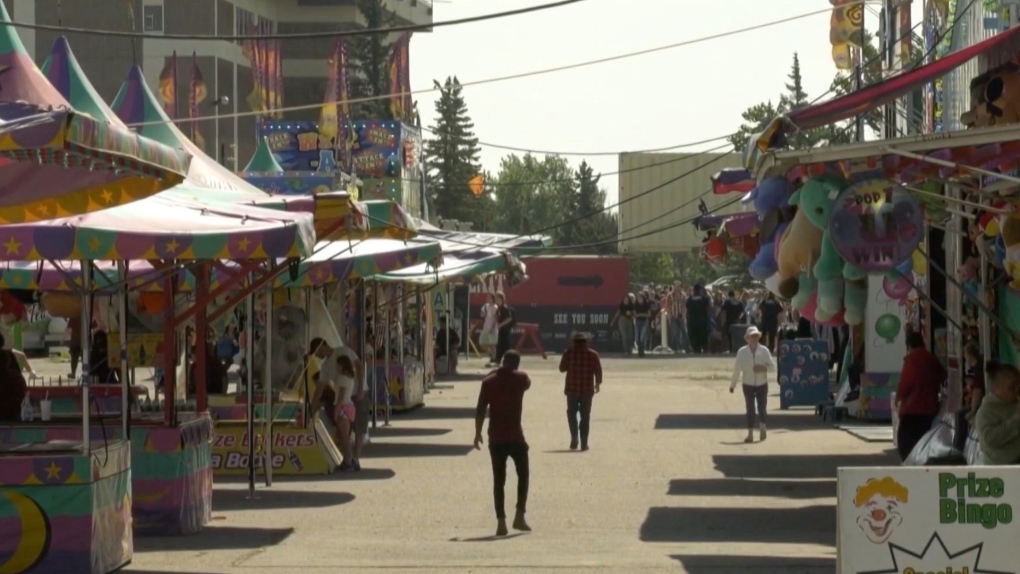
(345, 126)
(329, 126)
(278, 104)
(405, 80)
(397, 63)
(168, 86)
(253, 52)
(196, 95)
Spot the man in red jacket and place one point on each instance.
(917, 394)
(583, 379)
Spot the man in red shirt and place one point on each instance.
(583, 380)
(502, 394)
(917, 394)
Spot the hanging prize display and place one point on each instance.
(876, 225)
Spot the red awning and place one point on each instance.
(892, 88)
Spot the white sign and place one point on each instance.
(885, 321)
(928, 520)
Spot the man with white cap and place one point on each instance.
(752, 366)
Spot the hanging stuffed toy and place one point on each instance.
(816, 199)
(798, 249)
(770, 202)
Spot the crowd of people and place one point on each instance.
(698, 320)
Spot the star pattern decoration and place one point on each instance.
(409, 258)
(43, 209)
(13, 246)
(52, 471)
(394, 386)
(107, 196)
(171, 246)
(971, 554)
(319, 275)
(94, 244)
(242, 244)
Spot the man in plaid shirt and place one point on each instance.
(583, 380)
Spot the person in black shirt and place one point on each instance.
(447, 344)
(770, 310)
(505, 322)
(698, 311)
(624, 321)
(732, 310)
(642, 311)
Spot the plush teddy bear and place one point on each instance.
(816, 199)
(798, 249)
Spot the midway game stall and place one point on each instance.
(417, 293)
(67, 501)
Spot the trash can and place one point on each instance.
(737, 332)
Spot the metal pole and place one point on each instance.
(375, 343)
(86, 352)
(249, 351)
(267, 386)
(125, 385)
(449, 325)
(388, 357)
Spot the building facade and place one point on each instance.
(226, 71)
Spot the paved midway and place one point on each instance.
(669, 486)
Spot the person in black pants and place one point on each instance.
(698, 310)
(732, 310)
(502, 395)
(770, 310)
(504, 325)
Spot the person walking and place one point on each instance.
(502, 396)
(917, 393)
(770, 310)
(732, 311)
(488, 336)
(624, 321)
(699, 309)
(751, 367)
(583, 379)
(642, 312)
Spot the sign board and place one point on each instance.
(921, 520)
(295, 450)
(876, 225)
(143, 350)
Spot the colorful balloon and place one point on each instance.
(898, 288)
(888, 326)
(919, 263)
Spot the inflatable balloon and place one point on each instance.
(905, 267)
(888, 326)
(919, 263)
(898, 288)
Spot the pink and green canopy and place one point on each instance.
(331, 262)
(56, 162)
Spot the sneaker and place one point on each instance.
(520, 523)
(762, 433)
(750, 437)
(584, 447)
(501, 529)
(573, 444)
(345, 466)
(356, 464)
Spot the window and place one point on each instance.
(152, 18)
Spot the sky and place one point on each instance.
(668, 98)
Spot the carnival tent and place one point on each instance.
(454, 268)
(56, 162)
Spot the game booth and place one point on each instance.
(927, 221)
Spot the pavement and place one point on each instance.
(668, 486)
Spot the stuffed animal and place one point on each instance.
(289, 345)
(798, 249)
(1009, 226)
(995, 98)
(816, 199)
(770, 202)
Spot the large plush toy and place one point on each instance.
(841, 287)
(289, 346)
(1009, 226)
(770, 200)
(995, 98)
(799, 248)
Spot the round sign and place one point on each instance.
(876, 225)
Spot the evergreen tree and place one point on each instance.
(756, 119)
(588, 201)
(452, 158)
(795, 95)
(370, 58)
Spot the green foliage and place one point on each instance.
(588, 200)
(370, 55)
(651, 268)
(692, 269)
(452, 158)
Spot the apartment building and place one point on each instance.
(224, 67)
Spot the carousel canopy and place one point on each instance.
(263, 161)
(350, 260)
(56, 162)
(466, 242)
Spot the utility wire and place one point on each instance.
(497, 79)
(581, 153)
(296, 35)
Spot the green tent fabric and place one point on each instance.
(263, 161)
(452, 269)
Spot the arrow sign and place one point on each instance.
(589, 281)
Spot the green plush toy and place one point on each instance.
(816, 199)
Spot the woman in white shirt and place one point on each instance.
(489, 335)
(345, 410)
(752, 366)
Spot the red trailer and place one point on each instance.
(567, 293)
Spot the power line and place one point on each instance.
(296, 35)
(583, 153)
(497, 79)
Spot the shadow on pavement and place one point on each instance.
(786, 466)
(272, 499)
(129, 570)
(708, 564)
(808, 525)
(474, 377)
(793, 489)
(492, 538)
(702, 421)
(412, 449)
(392, 431)
(363, 474)
(216, 538)
(427, 413)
